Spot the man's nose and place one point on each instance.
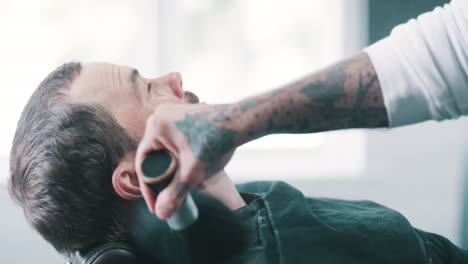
(172, 80)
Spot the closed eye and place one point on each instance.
(149, 87)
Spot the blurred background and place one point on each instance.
(228, 50)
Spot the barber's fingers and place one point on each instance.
(171, 198)
(151, 141)
(146, 145)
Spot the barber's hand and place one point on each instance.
(201, 139)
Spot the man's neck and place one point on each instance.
(222, 188)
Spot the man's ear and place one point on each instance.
(124, 178)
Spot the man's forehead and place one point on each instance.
(104, 72)
(96, 79)
(103, 68)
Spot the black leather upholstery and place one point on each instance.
(110, 253)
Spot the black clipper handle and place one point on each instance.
(158, 169)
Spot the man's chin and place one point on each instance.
(190, 98)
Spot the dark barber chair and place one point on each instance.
(110, 253)
(206, 241)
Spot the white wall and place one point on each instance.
(18, 242)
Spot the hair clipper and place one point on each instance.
(159, 169)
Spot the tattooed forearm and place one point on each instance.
(346, 95)
(254, 102)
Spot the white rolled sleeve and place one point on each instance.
(422, 66)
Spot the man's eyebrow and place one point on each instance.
(132, 78)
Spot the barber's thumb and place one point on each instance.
(171, 198)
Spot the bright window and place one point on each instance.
(225, 50)
(228, 50)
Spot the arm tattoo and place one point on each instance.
(208, 141)
(247, 105)
(346, 95)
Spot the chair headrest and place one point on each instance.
(110, 253)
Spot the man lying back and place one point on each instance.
(72, 171)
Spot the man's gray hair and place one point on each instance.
(61, 166)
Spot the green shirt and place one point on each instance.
(287, 227)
